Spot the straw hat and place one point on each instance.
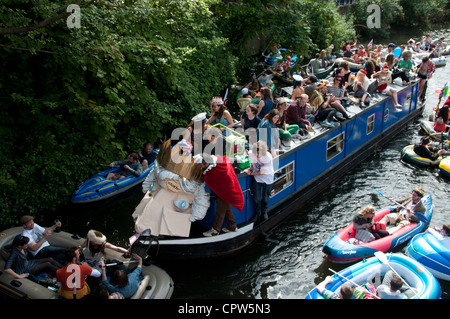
(96, 237)
(323, 83)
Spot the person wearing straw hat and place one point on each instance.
(94, 248)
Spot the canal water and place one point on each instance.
(289, 262)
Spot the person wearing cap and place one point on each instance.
(390, 48)
(38, 245)
(220, 114)
(94, 246)
(404, 213)
(244, 100)
(384, 77)
(426, 150)
(19, 266)
(285, 130)
(320, 104)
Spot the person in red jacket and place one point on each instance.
(221, 179)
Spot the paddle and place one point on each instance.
(121, 263)
(354, 283)
(390, 199)
(382, 257)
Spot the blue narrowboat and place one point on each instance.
(303, 170)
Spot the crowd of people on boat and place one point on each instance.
(31, 255)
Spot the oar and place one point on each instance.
(121, 263)
(382, 257)
(74, 286)
(353, 283)
(390, 199)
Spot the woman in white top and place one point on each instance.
(262, 169)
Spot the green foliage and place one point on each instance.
(72, 98)
(419, 12)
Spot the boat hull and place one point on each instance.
(339, 250)
(410, 270)
(431, 253)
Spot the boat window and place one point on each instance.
(284, 177)
(386, 114)
(370, 124)
(335, 146)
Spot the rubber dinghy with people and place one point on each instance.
(432, 252)
(417, 281)
(155, 283)
(409, 156)
(99, 187)
(428, 128)
(344, 247)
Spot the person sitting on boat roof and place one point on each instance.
(311, 85)
(404, 66)
(266, 103)
(19, 266)
(345, 292)
(123, 283)
(338, 92)
(244, 100)
(443, 234)
(362, 224)
(284, 129)
(72, 271)
(131, 166)
(262, 170)
(403, 214)
(383, 54)
(38, 245)
(147, 156)
(268, 132)
(220, 114)
(384, 78)
(249, 118)
(253, 85)
(390, 286)
(222, 181)
(298, 90)
(94, 249)
(296, 114)
(426, 150)
(360, 87)
(320, 104)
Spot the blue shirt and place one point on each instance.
(134, 280)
